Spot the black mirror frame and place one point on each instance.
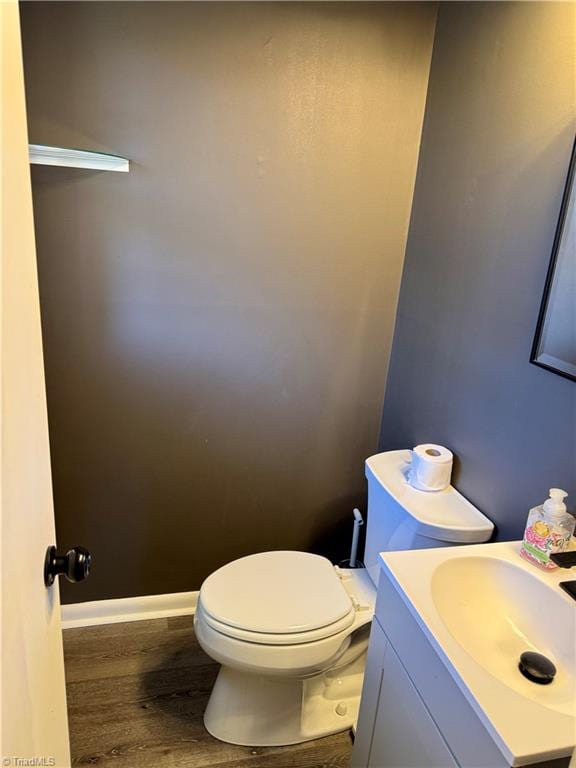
(551, 269)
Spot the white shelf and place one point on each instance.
(76, 158)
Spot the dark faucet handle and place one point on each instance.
(564, 559)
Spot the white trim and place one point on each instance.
(128, 609)
(41, 154)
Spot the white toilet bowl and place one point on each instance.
(291, 632)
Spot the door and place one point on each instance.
(405, 735)
(34, 723)
(395, 729)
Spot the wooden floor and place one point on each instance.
(136, 695)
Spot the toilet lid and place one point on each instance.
(276, 593)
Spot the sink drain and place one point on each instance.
(537, 668)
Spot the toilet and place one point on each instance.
(291, 630)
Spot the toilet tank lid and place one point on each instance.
(276, 593)
(444, 515)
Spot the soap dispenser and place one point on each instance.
(548, 530)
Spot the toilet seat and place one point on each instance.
(277, 598)
(300, 660)
(288, 638)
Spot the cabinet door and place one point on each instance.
(405, 735)
(370, 694)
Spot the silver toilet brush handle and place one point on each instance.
(358, 521)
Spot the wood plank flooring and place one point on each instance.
(136, 696)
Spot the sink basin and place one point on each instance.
(495, 610)
(480, 607)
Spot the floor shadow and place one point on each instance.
(179, 683)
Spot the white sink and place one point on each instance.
(481, 607)
(497, 610)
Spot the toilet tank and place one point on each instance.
(402, 517)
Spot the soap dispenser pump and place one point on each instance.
(548, 530)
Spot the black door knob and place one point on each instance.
(75, 565)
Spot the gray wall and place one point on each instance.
(217, 323)
(499, 128)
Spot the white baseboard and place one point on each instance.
(128, 609)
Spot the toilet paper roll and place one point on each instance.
(431, 467)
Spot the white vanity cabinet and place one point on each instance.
(413, 714)
(395, 728)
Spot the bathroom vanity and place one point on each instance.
(442, 685)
